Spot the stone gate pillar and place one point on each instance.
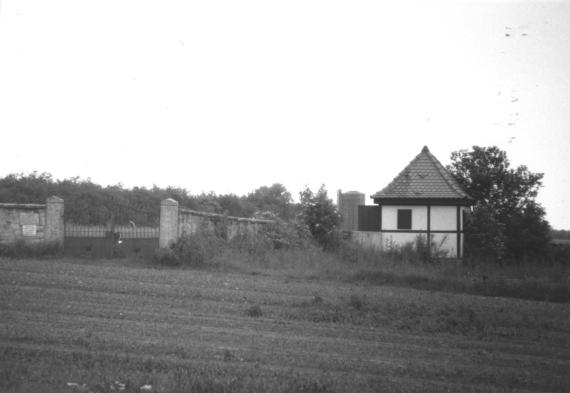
(54, 231)
(168, 222)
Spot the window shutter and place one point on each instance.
(404, 218)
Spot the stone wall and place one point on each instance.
(44, 223)
(176, 221)
(32, 223)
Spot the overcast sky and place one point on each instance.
(232, 95)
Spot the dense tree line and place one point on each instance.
(89, 203)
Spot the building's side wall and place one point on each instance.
(399, 239)
(445, 243)
(443, 218)
(368, 239)
(390, 217)
(368, 218)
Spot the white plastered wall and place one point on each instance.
(396, 239)
(443, 218)
(390, 217)
(368, 239)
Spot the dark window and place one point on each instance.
(404, 218)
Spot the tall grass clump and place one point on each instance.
(195, 250)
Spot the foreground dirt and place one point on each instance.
(97, 322)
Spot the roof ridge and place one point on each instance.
(446, 175)
(402, 171)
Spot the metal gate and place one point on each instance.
(110, 242)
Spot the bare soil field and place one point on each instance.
(103, 326)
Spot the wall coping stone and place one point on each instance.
(54, 199)
(169, 202)
(232, 218)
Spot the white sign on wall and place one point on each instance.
(29, 230)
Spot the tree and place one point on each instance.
(234, 205)
(506, 221)
(32, 188)
(275, 199)
(320, 215)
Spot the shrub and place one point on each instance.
(283, 234)
(166, 257)
(21, 249)
(196, 250)
(320, 216)
(459, 319)
(211, 243)
(268, 242)
(228, 355)
(418, 251)
(317, 299)
(356, 302)
(254, 311)
(560, 253)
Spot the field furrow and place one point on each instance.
(64, 320)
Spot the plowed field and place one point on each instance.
(102, 326)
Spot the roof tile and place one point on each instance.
(424, 177)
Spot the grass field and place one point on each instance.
(86, 325)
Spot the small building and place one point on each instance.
(423, 200)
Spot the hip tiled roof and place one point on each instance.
(423, 178)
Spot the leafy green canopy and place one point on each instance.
(320, 215)
(89, 203)
(507, 222)
(274, 199)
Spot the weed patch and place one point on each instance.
(349, 262)
(254, 311)
(197, 251)
(435, 279)
(356, 302)
(524, 289)
(21, 249)
(458, 320)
